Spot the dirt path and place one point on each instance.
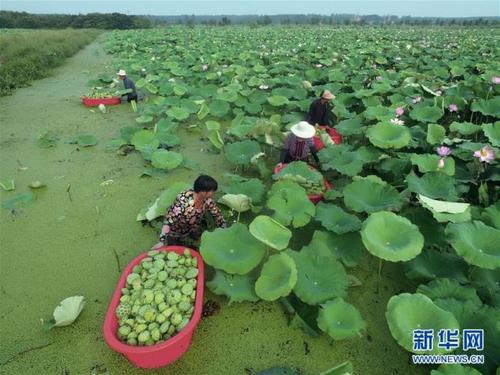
(64, 244)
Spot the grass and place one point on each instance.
(27, 56)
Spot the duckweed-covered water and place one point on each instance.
(68, 240)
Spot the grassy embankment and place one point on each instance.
(29, 55)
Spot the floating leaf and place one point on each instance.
(336, 219)
(237, 202)
(237, 288)
(145, 140)
(449, 288)
(278, 277)
(435, 134)
(430, 163)
(342, 160)
(164, 159)
(465, 128)
(179, 113)
(253, 188)
(368, 196)
(67, 311)
(241, 153)
(347, 247)
(300, 168)
(144, 119)
(277, 100)
(434, 185)
(426, 114)
(219, 108)
(340, 320)
(86, 140)
(432, 264)
(270, 232)
(216, 139)
(385, 135)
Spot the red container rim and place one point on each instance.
(111, 323)
(315, 197)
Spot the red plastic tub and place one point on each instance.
(91, 102)
(313, 198)
(334, 135)
(163, 353)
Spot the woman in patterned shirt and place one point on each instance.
(183, 221)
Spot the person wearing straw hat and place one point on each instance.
(320, 110)
(299, 144)
(128, 84)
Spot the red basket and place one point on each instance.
(91, 102)
(334, 135)
(313, 198)
(163, 353)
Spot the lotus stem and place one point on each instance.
(238, 218)
(378, 274)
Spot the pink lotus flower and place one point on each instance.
(486, 154)
(495, 80)
(443, 151)
(397, 121)
(400, 111)
(417, 99)
(453, 108)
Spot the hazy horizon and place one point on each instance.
(415, 8)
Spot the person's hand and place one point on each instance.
(158, 245)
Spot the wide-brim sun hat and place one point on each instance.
(303, 130)
(122, 72)
(327, 95)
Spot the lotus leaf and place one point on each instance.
(219, 108)
(408, 312)
(346, 162)
(253, 188)
(145, 140)
(212, 125)
(270, 232)
(385, 135)
(300, 168)
(278, 277)
(237, 202)
(476, 242)
(424, 113)
(336, 219)
(203, 112)
(232, 250)
(144, 119)
(492, 131)
(449, 288)
(350, 126)
(320, 277)
(368, 196)
(8, 185)
(291, 204)
(340, 320)
(166, 159)
(86, 140)
(391, 237)
(241, 153)
(446, 211)
(432, 264)
(455, 370)
(241, 126)
(163, 202)
(489, 107)
(487, 282)
(216, 139)
(434, 185)
(378, 113)
(465, 128)
(491, 215)
(127, 133)
(347, 247)
(430, 163)
(237, 288)
(67, 311)
(435, 134)
(178, 113)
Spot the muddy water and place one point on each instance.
(64, 244)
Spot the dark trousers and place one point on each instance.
(132, 97)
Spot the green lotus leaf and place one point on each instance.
(145, 140)
(391, 237)
(434, 185)
(241, 153)
(465, 128)
(178, 113)
(435, 134)
(219, 108)
(476, 242)
(487, 282)
(291, 204)
(237, 202)
(144, 119)
(277, 100)
(253, 188)
(455, 370)
(241, 125)
(492, 131)
(237, 288)
(446, 211)
(228, 96)
(368, 196)
(350, 126)
(424, 113)
(300, 168)
(232, 250)
(449, 288)
(127, 133)
(336, 219)
(253, 108)
(164, 159)
(278, 277)
(163, 202)
(203, 112)
(320, 276)
(7, 184)
(380, 113)
(432, 264)
(212, 125)
(340, 320)
(343, 161)
(490, 107)
(491, 215)
(270, 232)
(408, 312)
(347, 247)
(216, 139)
(385, 135)
(429, 163)
(86, 140)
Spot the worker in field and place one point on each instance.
(128, 84)
(184, 220)
(320, 111)
(299, 144)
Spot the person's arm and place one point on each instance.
(216, 213)
(310, 114)
(286, 147)
(170, 218)
(314, 152)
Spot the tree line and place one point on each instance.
(23, 20)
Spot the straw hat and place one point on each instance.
(122, 72)
(303, 130)
(327, 95)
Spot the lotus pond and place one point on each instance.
(407, 239)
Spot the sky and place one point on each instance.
(415, 8)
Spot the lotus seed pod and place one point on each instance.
(129, 322)
(148, 296)
(191, 273)
(176, 294)
(181, 271)
(161, 318)
(159, 297)
(190, 311)
(193, 295)
(132, 335)
(172, 263)
(194, 262)
(149, 284)
(162, 275)
(123, 331)
(183, 324)
(140, 320)
(135, 309)
(193, 282)
(137, 269)
(147, 265)
(149, 315)
(144, 336)
(187, 289)
(122, 311)
(162, 307)
(155, 334)
(159, 264)
(165, 326)
(140, 327)
(184, 306)
(153, 253)
(187, 252)
(181, 283)
(132, 277)
(306, 85)
(169, 311)
(171, 284)
(125, 291)
(149, 342)
(160, 255)
(176, 319)
(137, 284)
(181, 261)
(172, 255)
(187, 262)
(153, 326)
(125, 299)
(132, 342)
(171, 330)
